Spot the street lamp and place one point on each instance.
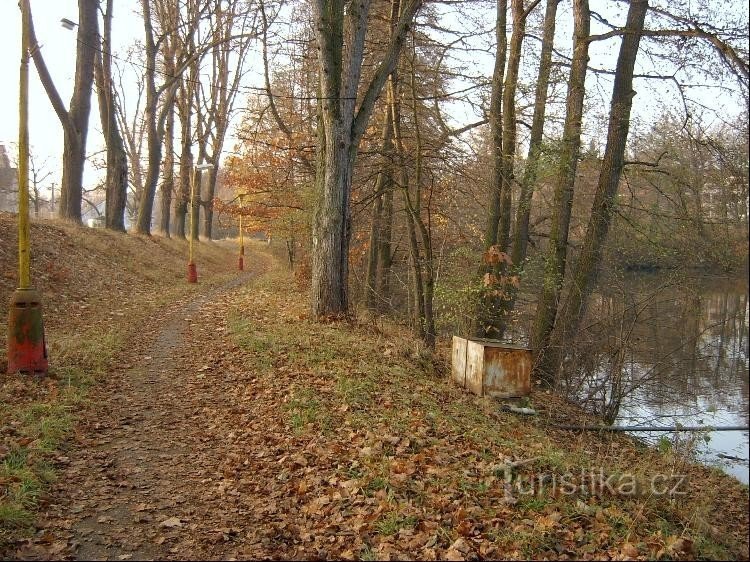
(192, 271)
(27, 348)
(67, 24)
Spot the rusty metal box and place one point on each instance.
(491, 368)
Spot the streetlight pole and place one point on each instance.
(192, 270)
(27, 349)
(241, 262)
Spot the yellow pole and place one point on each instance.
(24, 258)
(192, 197)
(242, 234)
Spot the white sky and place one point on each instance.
(58, 48)
(59, 45)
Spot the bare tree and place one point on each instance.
(341, 37)
(132, 126)
(75, 118)
(159, 100)
(523, 212)
(215, 103)
(556, 257)
(116, 183)
(584, 275)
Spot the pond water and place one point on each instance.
(663, 350)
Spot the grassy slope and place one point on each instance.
(420, 465)
(98, 288)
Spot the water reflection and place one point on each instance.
(662, 350)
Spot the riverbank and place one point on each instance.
(237, 427)
(424, 470)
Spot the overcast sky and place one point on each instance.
(59, 46)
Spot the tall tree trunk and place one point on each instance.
(587, 266)
(381, 256)
(509, 121)
(415, 254)
(184, 108)
(523, 211)
(488, 306)
(186, 165)
(384, 182)
(509, 290)
(74, 156)
(196, 205)
(167, 186)
(496, 126)
(75, 121)
(208, 199)
(554, 271)
(344, 124)
(331, 237)
(385, 252)
(371, 276)
(414, 206)
(158, 104)
(503, 289)
(153, 142)
(116, 183)
(153, 151)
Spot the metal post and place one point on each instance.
(192, 275)
(27, 346)
(24, 258)
(241, 261)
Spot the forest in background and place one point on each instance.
(448, 163)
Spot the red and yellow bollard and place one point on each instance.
(27, 349)
(192, 274)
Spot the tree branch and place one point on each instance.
(44, 75)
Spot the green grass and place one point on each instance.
(304, 409)
(392, 523)
(13, 517)
(532, 503)
(376, 484)
(45, 425)
(357, 391)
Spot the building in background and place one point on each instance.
(8, 183)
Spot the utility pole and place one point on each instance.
(241, 261)
(27, 347)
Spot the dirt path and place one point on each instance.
(135, 479)
(246, 430)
